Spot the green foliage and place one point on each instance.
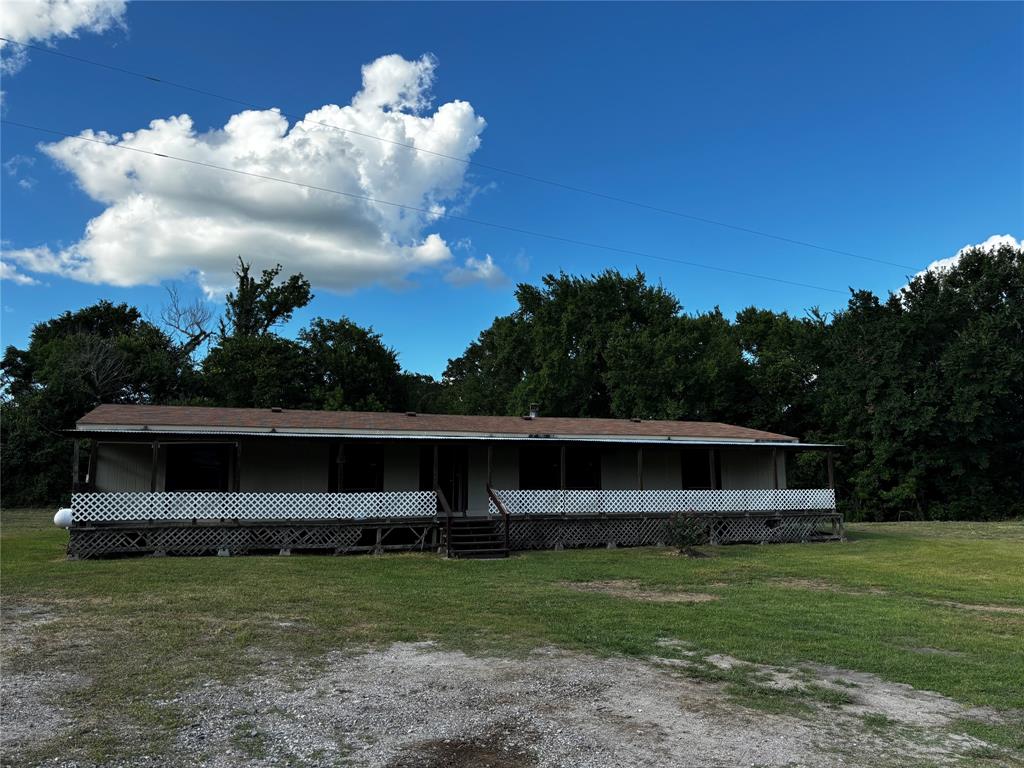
(689, 532)
(256, 372)
(350, 367)
(105, 353)
(256, 306)
(925, 389)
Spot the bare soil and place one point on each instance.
(416, 705)
(633, 591)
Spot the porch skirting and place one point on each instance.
(427, 534)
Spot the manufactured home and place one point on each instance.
(194, 480)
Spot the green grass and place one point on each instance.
(139, 627)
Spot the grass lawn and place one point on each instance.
(937, 606)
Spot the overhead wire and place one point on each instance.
(430, 212)
(464, 161)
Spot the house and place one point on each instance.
(184, 479)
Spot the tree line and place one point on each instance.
(924, 388)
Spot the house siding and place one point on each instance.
(746, 469)
(124, 467)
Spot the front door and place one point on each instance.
(453, 475)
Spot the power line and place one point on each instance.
(471, 163)
(435, 214)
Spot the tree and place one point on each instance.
(926, 390)
(262, 371)
(104, 353)
(250, 366)
(257, 306)
(350, 368)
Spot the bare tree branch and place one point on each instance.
(188, 322)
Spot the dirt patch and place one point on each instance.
(633, 591)
(820, 585)
(417, 705)
(29, 699)
(491, 750)
(1017, 610)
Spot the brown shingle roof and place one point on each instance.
(183, 418)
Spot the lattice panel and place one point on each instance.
(208, 540)
(556, 502)
(540, 533)
(568, 532)
(129, 507)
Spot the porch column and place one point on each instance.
(435, 467)
(712, 483)
(640, 467)
(775, 468)
(490, 458)
(237, 484)
(153, 466)
(561, 468)
(831, 470)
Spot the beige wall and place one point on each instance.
(297, 465)
(504, 471)
(124, 467)
(747, 468)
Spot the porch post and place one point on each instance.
(435, 466)
(490, 458)
(153, 466)
(561, 468)
(640, 467)
(237, 484)
(74, 466)
(831, 469)
(712, 484)
(775, 468)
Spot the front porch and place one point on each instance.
(195, 523)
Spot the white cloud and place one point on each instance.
(477, 271)
(996, 241)
(43, 21)
(165, 219)
(14, 164)
(10, 273)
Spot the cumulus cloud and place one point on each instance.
(994, 242)
(43, 21)
(10, 273)
(165, 219)
(477, 271)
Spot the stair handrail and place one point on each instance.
(446, 508)
(501, 508)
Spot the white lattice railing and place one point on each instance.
(623, 502)
(129, 507)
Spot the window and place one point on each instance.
(583, 467)
(540, 466)
(697, 469)
(355, 467)
(198, 467)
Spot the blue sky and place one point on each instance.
(894, 131)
